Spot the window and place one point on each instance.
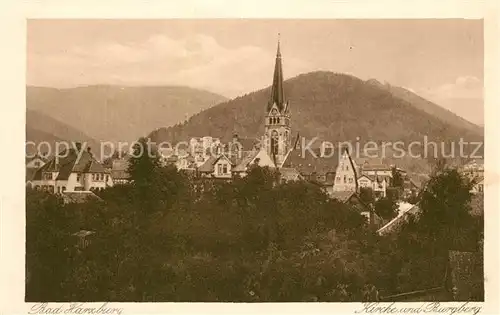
(278, 120)
(78, 176)
(37, 163)
(219, 168)
(338, 179)
(224, 169)
(350, 180)
(64, 188)
(480, 188)
(347, 167)
(345, 179)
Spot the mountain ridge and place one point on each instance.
(119, 113)
(330, 105)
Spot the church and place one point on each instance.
(335, 173)
(275, 144)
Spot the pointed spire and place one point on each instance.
(277, 92)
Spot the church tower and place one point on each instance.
(277, 134)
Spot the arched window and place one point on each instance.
(274, 142)
(278, 120)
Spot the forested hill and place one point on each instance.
(332, 106)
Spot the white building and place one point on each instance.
(70, 171)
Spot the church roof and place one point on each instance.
(309, 163)
(277, 90)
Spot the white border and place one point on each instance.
(13, 15)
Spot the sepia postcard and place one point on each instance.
(239, 158)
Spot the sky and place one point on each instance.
(441, 60)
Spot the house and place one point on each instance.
(473, 169)
(32, 165)
(478, 187)
(378, 184)
(226, 167)
(35, 162)
(352, 199)
(217, 167)
(73, 169)
(201, 148)
(376, 169)
(410, 188)
(320, 166)
(346, 173)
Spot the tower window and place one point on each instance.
(274, 143)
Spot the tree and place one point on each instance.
(386, 207)
(445, 203)
(366, 195)
(397, 179)
(143, 163)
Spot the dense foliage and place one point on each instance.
(174, 238)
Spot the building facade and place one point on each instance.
(72, 170)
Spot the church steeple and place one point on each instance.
(277, 92)
(277, 133)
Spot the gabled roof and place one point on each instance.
(209, 165)
(245, 161)
(37, 156)
(342, 196)
(69, 162)
(308, 163)
(377, 178)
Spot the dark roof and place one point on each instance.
(308, 163)
(30, 173)
(208, 166)
(37, 156)
(68, 162)
(377, 178)
(79, 196)
(342, 196)
(277, 90)
(376, 167)
(243, 163)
